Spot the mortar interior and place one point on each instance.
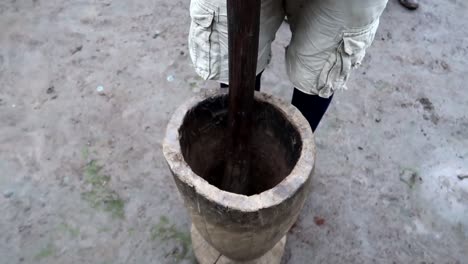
(275, 149)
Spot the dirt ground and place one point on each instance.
(87, 87)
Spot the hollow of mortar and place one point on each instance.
(275, 145)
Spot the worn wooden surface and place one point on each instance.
(244, 27)
(240, 227)
(206, 254)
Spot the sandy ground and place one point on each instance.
(87, 87)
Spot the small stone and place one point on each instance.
(77, 49)
(360, 148)
(377, 120)
(8, 193)
(444, 65)
(100, 89)
(50, 90)
(410, 177)
(389, 35)
(170, 78)
(319, 221)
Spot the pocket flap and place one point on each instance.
(202, 16)
(354, 45)
(356, 42)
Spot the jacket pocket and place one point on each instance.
(348, 55)
(200, 44)
(356, 43)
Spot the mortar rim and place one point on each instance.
(292, 183)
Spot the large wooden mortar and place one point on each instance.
(228, 227)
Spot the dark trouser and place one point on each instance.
(257, 82)
(312, 107)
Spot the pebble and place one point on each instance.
(8, 193)
(100, 89)
(156, 34)
(50, 90)
(170, 78)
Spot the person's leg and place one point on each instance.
(208, 36)
(312, 106)
(329, 38)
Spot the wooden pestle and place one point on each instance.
(243, 31)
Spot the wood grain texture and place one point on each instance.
(244, 27)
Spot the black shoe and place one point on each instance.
(410, 4)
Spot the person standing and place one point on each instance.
(329, 39)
